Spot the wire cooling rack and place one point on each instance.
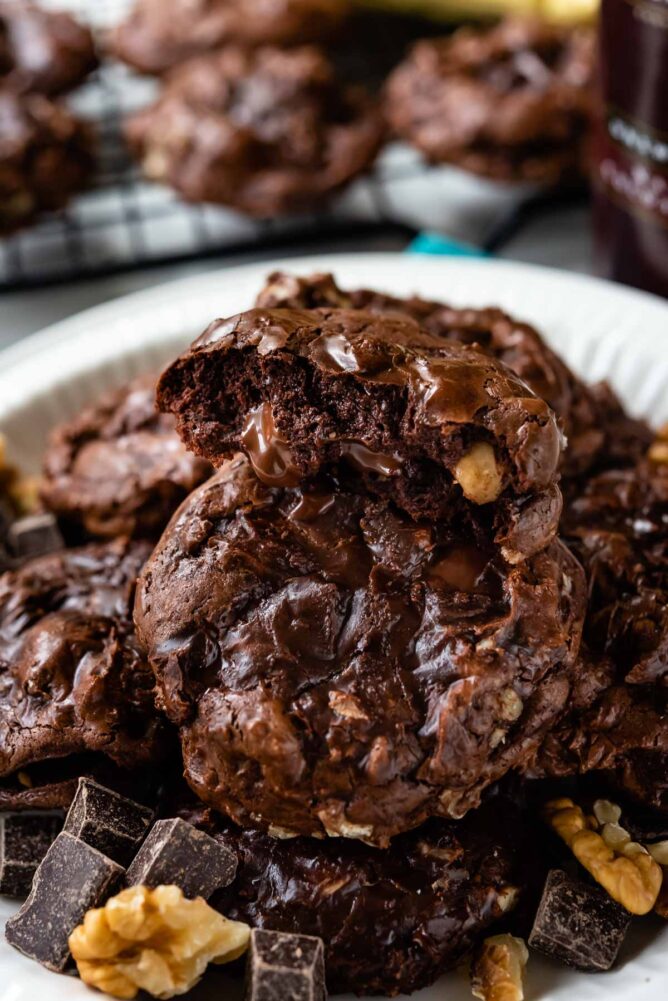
(123, 222)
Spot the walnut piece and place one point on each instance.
(497, 969)
(154, 940)
(478, 474)
(22, 491)
(627, 872)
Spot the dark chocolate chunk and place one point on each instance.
(284, 967)
(113, 824)
(25, 839)
(177, 853)
(34, 535)
(578, 924)
(72, 878)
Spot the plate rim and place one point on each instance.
(114, 308)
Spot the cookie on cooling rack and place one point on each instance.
(267, 132)
(512, 102)
(43, 51)
(46, 156)
(158, 34)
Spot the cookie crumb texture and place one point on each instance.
(268, 132)
(336, 668)
(442, 429)
(512, 102)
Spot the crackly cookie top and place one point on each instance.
(513, 101)
(442, 428)
(336, 667)
(382, 914)
(72, 677)
(118, 467)
(158, 34)
(42, 51)
(45, 157)
(265, 131)
(597, 430)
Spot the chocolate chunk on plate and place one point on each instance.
(177, 853)
(578, 924)
(34, 535)
(25, 839)
(285, 967)
(72, 878)
(113, 824)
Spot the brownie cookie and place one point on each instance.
(46, 156)
(618, 528)
(440, 427)
(597, 430)
(159, 34)
(42, 51)
(51, 784)
(72, 677)
(392, 921)
(119, 468)
(513, 102)
(266, 132)
(337, 668)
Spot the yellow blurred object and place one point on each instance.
(556, 11)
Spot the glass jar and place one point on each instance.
(630, 150)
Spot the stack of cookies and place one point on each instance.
(360, 623)
(325, 583)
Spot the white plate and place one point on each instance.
(604, 331)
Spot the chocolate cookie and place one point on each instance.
(597, 430)
(266, 132)
(337, 668)
(119, 468)
(42, 51)
(159, 34)
(45, 157)
(440, 427)
(72, 678)
(392, 921)
(513, 102)
(618, 527)
(51, 784)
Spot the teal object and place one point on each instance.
(433, 243)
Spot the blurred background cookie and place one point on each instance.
(158, 34)
(267, 132)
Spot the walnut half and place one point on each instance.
(624, 868)
(154, 940)
(497, 969)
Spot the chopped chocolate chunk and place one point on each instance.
(108, 821)
(34, 535)
(283, 967)
(24, 841)
(176, 853)
(578, 924)
(72, 878)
